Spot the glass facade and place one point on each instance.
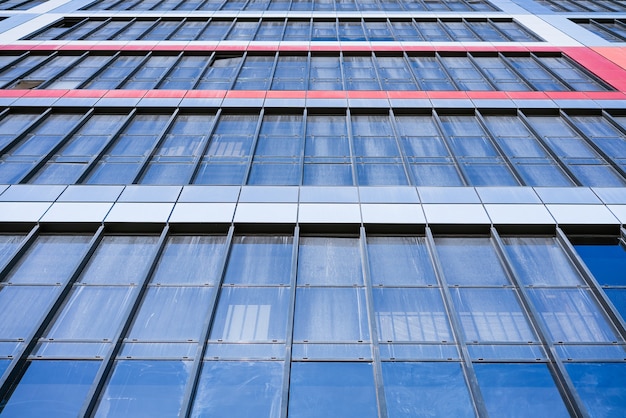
(329, 208)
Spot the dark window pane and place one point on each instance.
(601, 386)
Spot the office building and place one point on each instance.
(312, 208)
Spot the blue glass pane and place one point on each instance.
(3, 365)
(239, 389)
(144, 389)
(470, 261)
(606, 262)
(601, 386)
(51, 389)
(618, 297)
(411, 315)
(332, 390)
(426, 390)
(329, 261)
(519, 390)
(259, 260)
(400, 261)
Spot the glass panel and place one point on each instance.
(411, 315)
(8, 245)
(601, 386)
(541, 261)
(519, 390)
(251, 314)
(190, 260)
(50, 259)
(51, 389)
(120, 260)
(172, 314)
(239, 389)
(426, 390)
(606, 262)
(332, 390)
(22, 308)
(572, 315)
(399, 261)
(492, 315)
(144, 388)
(332, 314)
(470, 261)
(91, 313)
(259, 260)
(329, 261)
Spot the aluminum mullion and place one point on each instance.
(564, 384)
(381, 401)
(100, 380)
(25, 131)
(198, 159)
(255, 140)
(19, 252)
(35, 67)
(284, 403)
(446, 144)
(196, 369)
(99, 71)
(405, 160)
(478, 402)
(125, 80)
(355, 176)
(61, 73)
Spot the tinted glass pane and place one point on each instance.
(144, 388)
(22, 309)
(411, 315)
(259, 260)
(399, 261)
(329, 261)
(8, 245)
(50, 259)
(239, 389)
(541, 261)
(333, 314)
(519, 390)
(190, 260)
(492, 315)
(332, 390)
(606, 262)
(251, 314)
(172, 314)
(426, 390)
(51, 389)
(470, 261)
(601, 386)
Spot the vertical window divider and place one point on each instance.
(33, 124)
(351, 146)
(493, 24)
(563, 382)
(229, 30)
(154, 24)
(198, 159)
(194, 373)
(43, 159)
(155, 145)
(343, 78)
(381, 401)
(16, 367)
(99, 71)
(94, 160)
(136, 297)
(446, 143)
(514, 70)
(104, 23)
(444, 26)
(407, 62)
(592, 144)
(284, 403)
(303, 139)
(17, 59)
(482, 72)
(468, 368)
(255, 140)
(623, 236)
(497, 146)
(548, 148)
(273, 70)
(180, 25)
(540, 64)
(405, 162)
(244, 57)
(593, 284)
(374, 59)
